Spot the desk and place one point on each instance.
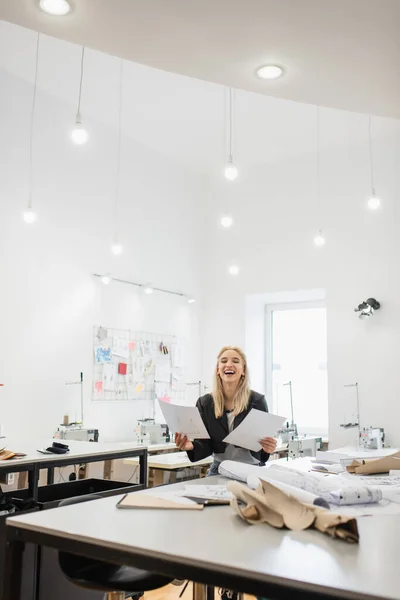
(215, 547)
(173, 463)
(80, 452)
(165, 447)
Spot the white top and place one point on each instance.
(307, 560)
(76, 450)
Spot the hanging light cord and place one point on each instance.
(230, 123)
(32, 122)
(371, 162)
(81, 81)
(119, 147)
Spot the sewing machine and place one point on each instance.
(304, 446)
(149, 432)
(71, 432)
(372, 438)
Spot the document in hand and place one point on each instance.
(184, 419)
(256, 426)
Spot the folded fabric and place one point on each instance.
(270, 505)
(8, 454)
(379, 465)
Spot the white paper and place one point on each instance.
(208, 492)
(256, 426)
(163, 372)
(109, 377)
(120, 347)
(184, 419)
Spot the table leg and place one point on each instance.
(13, 568)
(158, 477)
(172, 477)
(108, 469)
(23, 480)
(33, 482)
(143, 469)
(202, 592)
(50, 475)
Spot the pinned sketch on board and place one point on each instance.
(103, 354)
(120, 347)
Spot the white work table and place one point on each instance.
(215, 547)
(79, 452)
(172, 462)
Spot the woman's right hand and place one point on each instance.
(183, 443)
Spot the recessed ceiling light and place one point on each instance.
(227, 221)
(233, 270)
(58, 8)
(270, 72)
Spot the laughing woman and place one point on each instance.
(223, 410)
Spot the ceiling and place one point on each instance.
(341, 54)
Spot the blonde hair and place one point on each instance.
(241, 399)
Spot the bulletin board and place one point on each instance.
(137, 365)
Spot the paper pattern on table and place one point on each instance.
(208, 492)
(256, 426)
(184, 419)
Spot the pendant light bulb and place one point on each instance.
(191, 299)
(116, 249)
(57, 8)
(148, 289)
(319, 239)
(29, 216)
(226, 221)
(79, 134)
(231, 171)
(106, 279)
(373, 202)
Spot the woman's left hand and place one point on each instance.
(268, 444)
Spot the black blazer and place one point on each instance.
(218, 428)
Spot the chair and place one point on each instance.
(117, 582)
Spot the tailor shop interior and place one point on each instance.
(199, 263)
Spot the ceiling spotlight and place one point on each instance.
(148, 289)
(57, 8)
(106, 279)
(116, 249)
(373, 202)
(319, 239)
(233, 270)
(231, 171)
(79, 135)
(191, 299)
(29, 216)
(227, 221)
(270, 72)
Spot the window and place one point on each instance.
(296, 353)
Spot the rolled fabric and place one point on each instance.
(253, 482)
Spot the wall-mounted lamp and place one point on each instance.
(367, 308)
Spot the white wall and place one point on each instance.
(275, 213)
(49, 300)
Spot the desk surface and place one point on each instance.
(247, 557)
(177, 460)
(78, 450)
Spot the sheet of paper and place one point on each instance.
(184, 419)
(120, 347)
(208, 492)
(109, 377)
(254, 427)
(163, 372)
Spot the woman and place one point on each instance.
(223, 410)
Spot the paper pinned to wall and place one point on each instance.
(163, 372)
(177, 355)
(109, 377)
(120, 347)
(103, 354)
